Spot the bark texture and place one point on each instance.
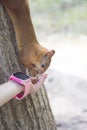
(33, 112)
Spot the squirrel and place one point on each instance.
(32, 55)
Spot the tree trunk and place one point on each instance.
(33, 112)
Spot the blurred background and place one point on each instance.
(62, 25)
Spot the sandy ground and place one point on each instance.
(67, 81)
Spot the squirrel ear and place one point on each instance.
(50, 53)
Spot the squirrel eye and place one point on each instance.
(43, 65)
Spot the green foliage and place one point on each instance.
(62, 15)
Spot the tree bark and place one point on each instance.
(33, 112)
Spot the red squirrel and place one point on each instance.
(35, 57)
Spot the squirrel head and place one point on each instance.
(36, 60)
